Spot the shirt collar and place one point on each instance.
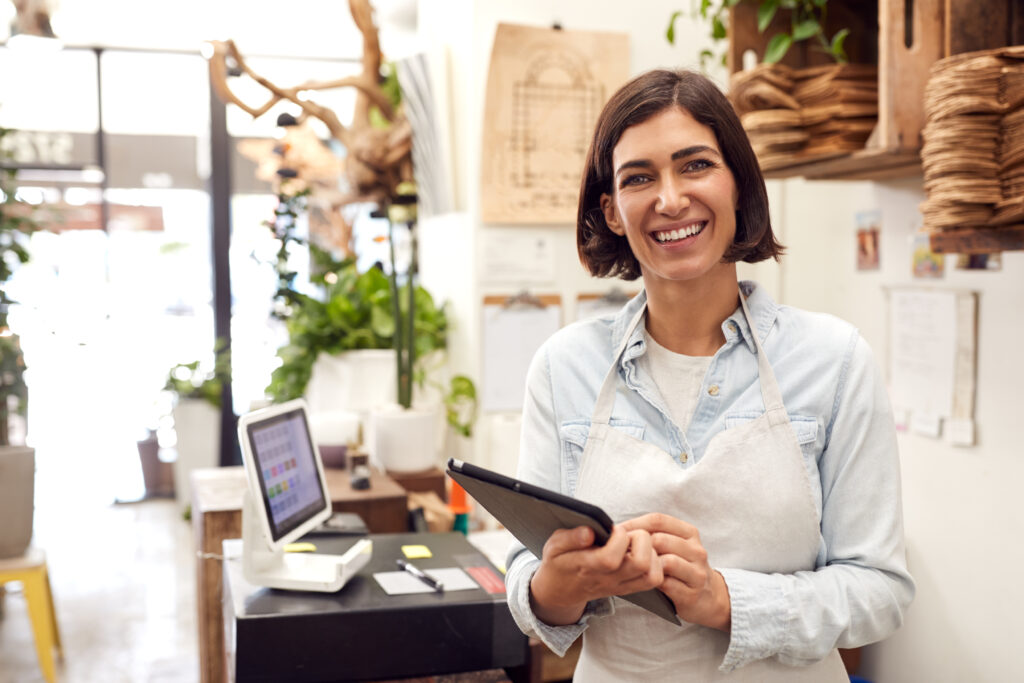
(763, 310)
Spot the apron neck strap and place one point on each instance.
(770, 393)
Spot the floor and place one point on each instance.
(124, 587)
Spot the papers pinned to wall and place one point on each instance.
(932, 358)
(513, 330)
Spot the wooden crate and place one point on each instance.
(904, 38)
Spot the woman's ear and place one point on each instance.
(611, 216)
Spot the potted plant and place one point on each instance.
(196, 388)
(807, 22)
(17, 462)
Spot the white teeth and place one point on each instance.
(672, 235)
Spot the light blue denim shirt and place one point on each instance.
(837, 403)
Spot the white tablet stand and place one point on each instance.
(286, 498)
(295, 571)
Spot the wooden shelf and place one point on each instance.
(866, 164)
(978, 240)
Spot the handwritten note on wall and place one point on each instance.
(932, 360)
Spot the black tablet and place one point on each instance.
(532, 513)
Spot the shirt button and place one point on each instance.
(733, 326)
(683, 457)
(713, 390)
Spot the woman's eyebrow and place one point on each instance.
(694, 149)
(678, 154)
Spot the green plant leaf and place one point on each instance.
(718, 31)
(777, 48)
(382, 322)
(670, 32)
(837, 45)
(805, 29)
(820, 3)
(705, 5)
(765, 13)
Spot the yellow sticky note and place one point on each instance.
(415, 552)
(300, 548)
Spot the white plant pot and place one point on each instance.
(359, 381)
(404, 440)
(17, 499)
(197, 427)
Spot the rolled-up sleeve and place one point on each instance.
(858, 592)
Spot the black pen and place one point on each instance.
(418, 573)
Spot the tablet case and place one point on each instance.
(532, 514)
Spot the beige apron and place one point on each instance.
(751, 502)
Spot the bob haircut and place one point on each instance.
(606, 254)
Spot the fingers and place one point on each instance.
(691, 574)
(568, 540)
(657, 522)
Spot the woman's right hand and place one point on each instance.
(573, 571)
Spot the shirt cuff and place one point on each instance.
(759, 617)
(557, 638)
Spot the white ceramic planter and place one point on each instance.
(356, 381)
(197, 427)
(404, 440)
(17, 499)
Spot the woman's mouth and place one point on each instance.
(680, 234)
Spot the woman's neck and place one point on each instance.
(686, 317)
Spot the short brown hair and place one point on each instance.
(606, 254)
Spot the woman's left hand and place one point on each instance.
(698, 591)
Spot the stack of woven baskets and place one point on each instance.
(973, 153)
(799, 115)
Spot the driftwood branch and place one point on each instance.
(377, 160)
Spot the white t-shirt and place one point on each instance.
(678, 377)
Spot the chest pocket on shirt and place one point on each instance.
(805, 428)
(574, 438)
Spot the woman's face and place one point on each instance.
(673, 197)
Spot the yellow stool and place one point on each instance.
(30, 570)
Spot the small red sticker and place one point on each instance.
(487, 578)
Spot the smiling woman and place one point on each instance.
(745, 450)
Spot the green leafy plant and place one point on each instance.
(16, 225)
(290, 205)
(807, 22)
(194, 380)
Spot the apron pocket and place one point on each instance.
(574, 439)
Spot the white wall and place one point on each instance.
(963, 516)
(964, 523)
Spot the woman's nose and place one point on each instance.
(672, 198)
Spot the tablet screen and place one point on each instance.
(289, 479)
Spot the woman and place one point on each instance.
(745, 450)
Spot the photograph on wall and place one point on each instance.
(925, 262)
(545, 90)
(868, 224)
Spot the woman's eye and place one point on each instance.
(633, 180)
(699, 165)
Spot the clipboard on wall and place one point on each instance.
(514, 327)
(597, 305)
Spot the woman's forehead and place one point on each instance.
(669, 130)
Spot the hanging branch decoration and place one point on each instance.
(378, 143)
